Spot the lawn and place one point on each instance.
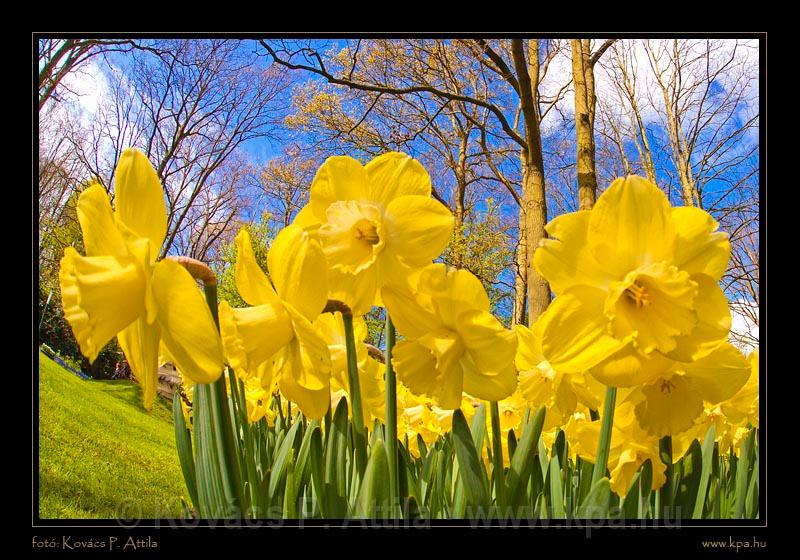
(101, 455)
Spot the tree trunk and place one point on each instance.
(534, 206)
(535, 214)
(521, 273)
(460, 171)
(583, 78)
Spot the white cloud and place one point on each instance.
(744, 328)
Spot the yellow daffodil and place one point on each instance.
(374, 223)
(370, 374)
(672, 401)
(636, 282)
(452, 342)
(119, 289)
(742, 408)
(275, 337)
(630, 448)
(418, 415)
(728, 436)
(258, 400)
(539, 384)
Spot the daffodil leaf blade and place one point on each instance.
(705, 473)
(469, 462)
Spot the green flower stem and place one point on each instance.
(359, 432)
(220, 411)
(604, 446)
(391, 416)
(666, 502)
(497, 455)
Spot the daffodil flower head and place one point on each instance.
(742, 408)
(636, 283)
(375, 223)
(452, 344)
(675, 399)
(258, 401)
(275, 336)
(119, 289)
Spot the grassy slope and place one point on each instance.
(101, 455)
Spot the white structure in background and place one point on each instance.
(744, 327)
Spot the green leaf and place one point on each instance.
(630, 505)
(705, 473)
(317, 476)
(301, 473)
(742, 473)
(373, 496)
(282, 458)
(469, 462)
(213, 500)
(183, 443)
(524, 457)
(687, 483)
(645, 488)
(478, 426)
(512, 443)
(751, 503)
(335, 465)
(595, 506)
(289, 496)
(556, 489)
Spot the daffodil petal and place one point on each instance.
(491, 346)
(575, 331)
(744, 404)
(298, 268)
(305, 373)
(535, 386)
(358, 291)
(412, 319)
(565, 259)
(139, 198)
(628, 367)
(307, 220)
(460, 290)
(415, 367)
(669, 406)
(251, 336)
(630, 225)
(395, 174)
(339, 178)
(720, 374)
(529, 348)
(100, 233)
(699, 248)
(100, 296)
(140, 343)
(496, 387)
(187, 328)
(419, 228)
(713, 322)
(251, 282)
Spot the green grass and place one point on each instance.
(101, 455)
